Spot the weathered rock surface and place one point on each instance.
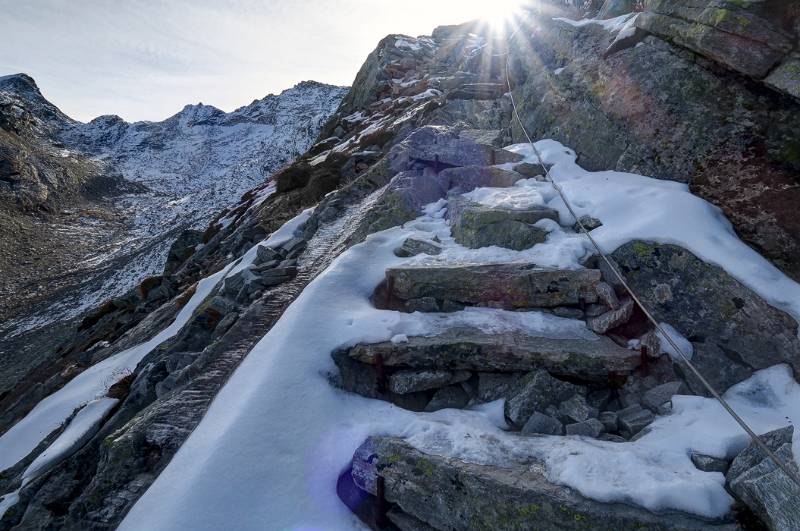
(467, 178)
(511, 286)
(474, 225)
(764, 487)
(733, 331)
(446, 147)
(660, 110)
(475, 350)
(447, 494)
(745, 36)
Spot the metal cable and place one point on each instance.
(756, 439)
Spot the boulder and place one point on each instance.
(448, 493)
(463, 348)
(400, 201)
(474, 225)
(734, 331)
(756, 480)
(510, 286)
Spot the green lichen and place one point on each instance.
(425, 467)
(527, 511)
(642, 249)
(394, 458)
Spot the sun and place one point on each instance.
(497, 13)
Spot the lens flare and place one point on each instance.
(498, 13)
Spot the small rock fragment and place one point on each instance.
(657, 396)
(707, 463)
(588, 428)
(634, 419)
(542, 424)
(612, 319)
(452, 397)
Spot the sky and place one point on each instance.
(146, 59)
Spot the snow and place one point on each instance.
(277, 436)
(633, 207)
(86, 421)
(612, 25)
(91, 384)
(80, 428)
(656, 471)
(557, 71)
(683, 344)
(276, 239)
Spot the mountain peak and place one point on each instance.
(22, 83)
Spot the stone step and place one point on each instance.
(478, 91)
(591, 358)
(474, 225)
(444, 493)
(507, 286)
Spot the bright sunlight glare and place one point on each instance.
(498, 12)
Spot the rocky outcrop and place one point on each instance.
(734, 332)
(510, 496)
(756, 480)
(664, 110)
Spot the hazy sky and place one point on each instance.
(144, 60)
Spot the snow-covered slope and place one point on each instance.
(201, 160)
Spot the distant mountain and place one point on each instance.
(98, 204)
(203, 159)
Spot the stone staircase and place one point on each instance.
(584, 381)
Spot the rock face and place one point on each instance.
(765, 488)
(748, 37)
(514, 496)
(664, 109)
(733, 331)
(507, 286)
